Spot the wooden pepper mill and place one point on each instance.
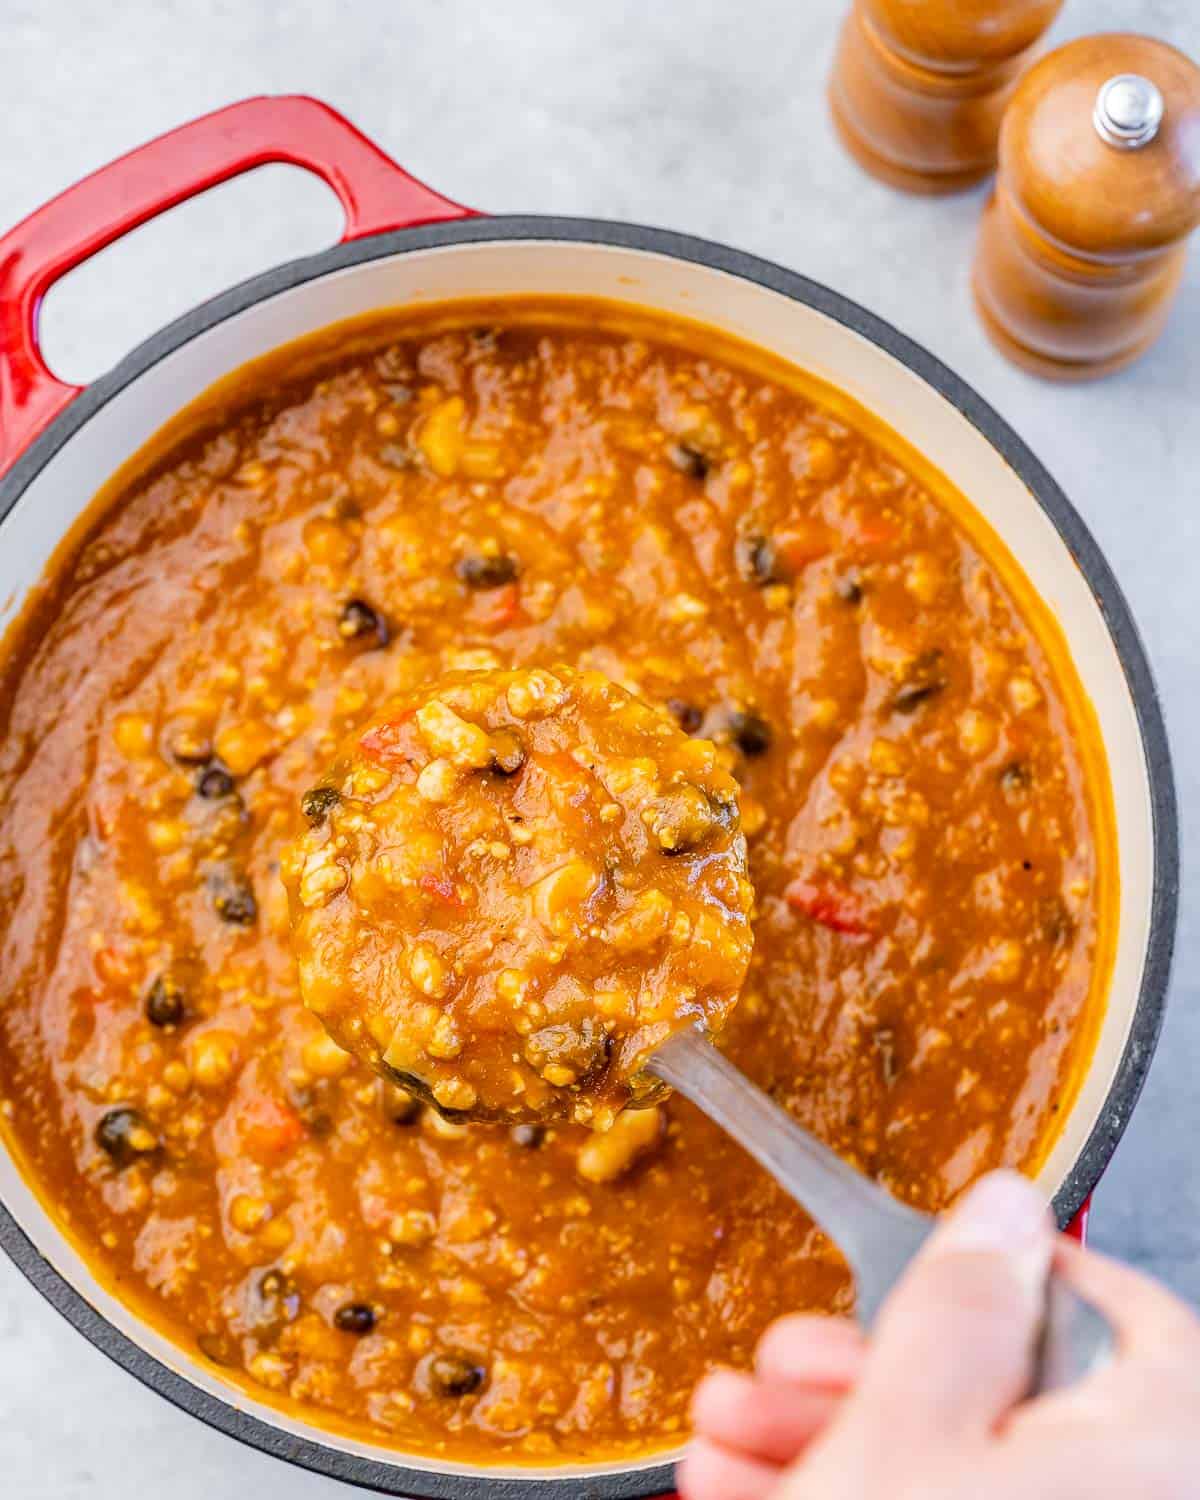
(1082, 245)
(919, 87)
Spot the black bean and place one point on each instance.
(910, 697)
(690, 460)
(924, 680)
(1056, 921)
(401, 1107)
(317, 801)
(451, 1375)
(528, 1136)
(190, 747)
(214, 782)
(849, 588)
(359, 621)
(233, 899)
(1016, 779)
(507, 752)
(220, 1349)
(355, 1317)
(683, 818)
(582, 1047)
(165, 1002)
(480, 570)
(759, 561)
(687, 715)
(272, 1300)
(312, 1103)
(749, 731)
(124, 1134)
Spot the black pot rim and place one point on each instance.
(636, 1484)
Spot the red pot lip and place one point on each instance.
(656, 1480)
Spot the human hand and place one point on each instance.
(933, 1407)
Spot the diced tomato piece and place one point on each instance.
(387, 744)
(442, 887)
(268, 1126)
(800, 545)
(107, 819)
(831, 905)
(116, 966)
(499, 607)
(877, 532)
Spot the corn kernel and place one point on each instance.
(438, 781)
(820, 459)
(166, 835)
(887, 757)
(606, 1156)
(824, 713)
(277, 1235)
(445, 1041)
(323, 1058)
(247, 1212)
(177, 1077)
(1023, 693)
(534, 694)
(420, 1338)
(427, 971)
(923, 578)
(441, 438)
(454, 1093)
(564, 890)
(213, 1056)
(416, 1226)
(243, 745)
(977, 732)
(134, 735)
(449, 735)
(1004, 961)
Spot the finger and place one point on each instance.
(806, 1349)
(708, 1471)
(1131, 1461)
(954, 1343)
(770, 1422)
(1145, 1315)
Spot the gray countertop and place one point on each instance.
(699, 115)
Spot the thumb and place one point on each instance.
(953, 1350)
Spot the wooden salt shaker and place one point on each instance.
(919, 87)
(1082, 245)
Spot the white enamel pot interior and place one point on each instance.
(814, 329)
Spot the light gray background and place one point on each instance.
(700, 115)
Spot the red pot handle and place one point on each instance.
(374, 192)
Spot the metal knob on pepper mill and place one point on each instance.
(1082, 245)
(919, 87)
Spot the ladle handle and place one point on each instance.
(877, 1234)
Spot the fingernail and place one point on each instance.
(1003, 1211)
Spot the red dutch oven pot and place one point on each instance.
(404, 244)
